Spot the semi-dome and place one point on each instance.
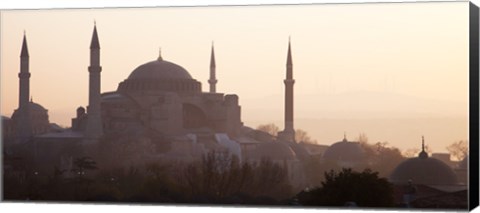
(160, 69)
(423, 170)
(345, 151)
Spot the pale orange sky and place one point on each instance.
(414, 51)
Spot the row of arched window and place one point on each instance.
(181, 86)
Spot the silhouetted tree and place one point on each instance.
(302, 136)
(270, 128)
(382, 158)
(315, 167)
(219, 178)
(365, 188)
(362, 138)
(411, 153)
(270, 180)
(159, 185)
(458, 149)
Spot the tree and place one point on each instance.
(386, 159)
(365, 189)
(368, 148)
(315, 167)
(302, 136)
(270, 128)
(458, 149)
(381, 157)
(219, 178)
(362, 138)
(411, 153)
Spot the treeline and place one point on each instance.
(350, 188)
(216, 179)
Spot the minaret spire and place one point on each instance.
(160, 54)
(289, 57)
(24, 126)
(423, 153)
(94, 128)
(288, 134)
(24, 52)
(212, 56)
(212, 81)
(24, 74)
(423, 144)
(95, 44)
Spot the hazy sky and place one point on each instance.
(417, 52)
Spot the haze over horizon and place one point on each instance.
(391, 72)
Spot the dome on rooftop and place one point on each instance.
(36, 107)
(160, 76)
(423, 170)
(160, 69)
(345, 151)
(38, 117)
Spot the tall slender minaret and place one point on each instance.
(94, 128)
(212, 81)
(288, 134)
(24, 125)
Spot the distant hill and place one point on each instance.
(355, 105)
(401, 120)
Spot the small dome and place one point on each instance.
(38, 117)
(423, 170)
(344, 151)
(159, 69)
(34, 110)
(36, 107)
(80, 111)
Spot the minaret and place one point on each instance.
(212, 81)
(24, 125)
(94, 128)
(288, 133)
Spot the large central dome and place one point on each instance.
(159, 69)
(160, 75)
